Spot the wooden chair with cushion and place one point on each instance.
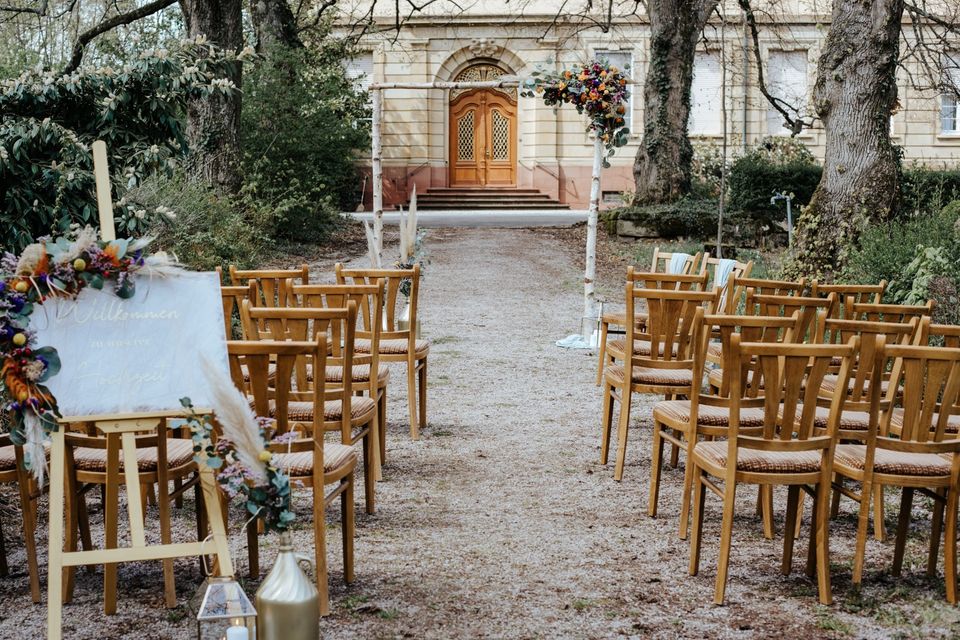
(921, 456)
(368, 376)
(787, 453)
(612, 350)
(272, 368)
(94, 459)
(353, 417)
(671, 331)
(272, 284)
(12, 470)
(398, 344)
(683, 422)
(849, 295)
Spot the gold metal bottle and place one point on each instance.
(288, 606)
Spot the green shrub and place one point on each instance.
(48, 122)
(201, 227)
(303, 123)
(928, 190)
(773, 166)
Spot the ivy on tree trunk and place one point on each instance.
(662, 166)
(855, 93)
(213, 123)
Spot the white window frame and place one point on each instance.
(776, 90)
(712, 132)
(949, 101)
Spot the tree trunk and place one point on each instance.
(274, 25)
(856, 91)
(662, 166)
(213, 123)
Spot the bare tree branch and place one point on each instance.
(38, 11)
(118, 20)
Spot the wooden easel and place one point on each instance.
(124, 426)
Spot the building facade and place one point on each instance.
(497, 139)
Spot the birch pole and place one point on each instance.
(590, 272)
(101, 176)
(376, 252)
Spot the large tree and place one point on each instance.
(662, 165)
(854, 96)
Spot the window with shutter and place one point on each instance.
(622, 60)
(949, 102)
(360, 69)
(705, 96)
(787, 81)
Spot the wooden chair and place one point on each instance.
(368, 375)
(683, 422)
(788, 452)
(716, 267)
(920, 458)
(272, 365)
(232, 298)
(396, 344)
(93, 459)
(612, 350)
(12, 470)
(353, 417)
(271, 283)
(663, 260)
(671, 331)
(849, 295)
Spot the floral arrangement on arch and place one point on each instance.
(50, 268)
(597, 89)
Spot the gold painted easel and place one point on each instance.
(126, 426)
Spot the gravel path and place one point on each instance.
(500, 523)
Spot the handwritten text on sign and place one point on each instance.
(137, 355)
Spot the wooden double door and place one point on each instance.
(483, 139)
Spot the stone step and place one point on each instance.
(486, 198)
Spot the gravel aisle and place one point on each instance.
(500, 522)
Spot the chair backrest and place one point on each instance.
(761, 304)
(336, 326)
(271, 284)
(264, 370)
(369, 302)
(671, 281)
(769, 329)
(925, 383)
(675, 262)
(849, 295)
(232, 298)
(890, 312)
(792, 376)
(396, 282)
(947, 335)
(737, 289)
(674, 320)
(723, 273)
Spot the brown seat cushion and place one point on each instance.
(650, 376)
(361, 373)
(393, 347)
(300, 463)
(640, 347)
(179, 453)
(8, 458)
(707, 415)
(953, 422)
(829, 384)
(751, 460)
(333, 410)
(853, 456)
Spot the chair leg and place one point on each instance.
(382, 420)
(606, 422)
(821, 525)
(347, 529)
(655, 470)
(423, 394)
(412, 399)
(799, 522)
(835, 503)
(696, 531)
(320, 543)
(863, 521)
(936, 528)
(726, 535)
(879, 530)
(811, 569)
(903, 525)
(4, 569)
(369, 474)
(29, 513)
(766, 510)
(687, 485)
(950, 546)
(622, 429)
(253, 550)
(789, 528)
(163, 506)
(601, 351)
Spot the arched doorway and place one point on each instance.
(483, 131)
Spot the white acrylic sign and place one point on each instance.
(136, 355)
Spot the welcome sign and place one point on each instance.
(137, 355)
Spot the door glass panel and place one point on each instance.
(465, 137)
(501, 136)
